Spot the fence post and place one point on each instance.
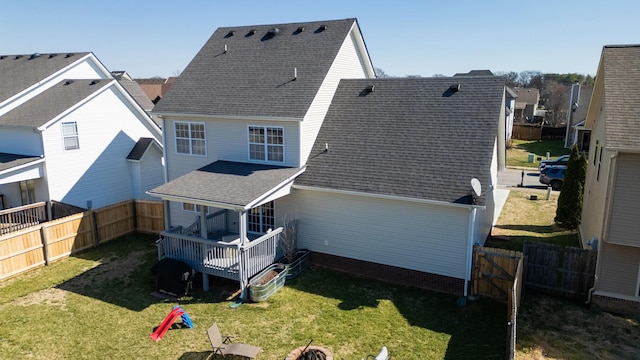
(45, 243)
(135, 214)
(94, 227)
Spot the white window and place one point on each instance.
(70, 135)
(266, 143)
(190, 138)
(261, 218)
(193, 207)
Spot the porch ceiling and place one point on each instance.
(14, 168)
(229, 184)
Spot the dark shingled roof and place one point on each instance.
(52, 102)
(140, 148)
(411, 137)
(226, 182)
(18, 72)
(254, 77)
(621, 75)
(8, 161)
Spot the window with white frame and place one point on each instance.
(28, 192)
(70, 135)
(190, 138)
(261, 218)
(266, 143)
(193, 207)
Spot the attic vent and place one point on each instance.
(230, 33)
(33, 56)
(69, 55)
(454, 88)
(370, 88)
(3, 57)
(251, 32)
(299, 30)
(274, 31)
(321, 28)
(68, 82)
(94, 82)
(52, 55)
(18, 57)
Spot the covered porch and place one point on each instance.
(236, 190)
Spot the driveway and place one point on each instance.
(520, 178)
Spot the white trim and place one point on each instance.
(224, 117)
(64, 137)
(387, 197)
(20, 167)
(617, 296)
(266, 194)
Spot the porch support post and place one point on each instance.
(167, 215)
(203, 222)
(205, 281)
(244, 280)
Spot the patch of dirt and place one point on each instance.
(109, 269)
(52, 297)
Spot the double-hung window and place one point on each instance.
(70, 135)
(190, 138)
(266, 143)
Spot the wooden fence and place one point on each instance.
(49, 241)
(526, 132)
(557, 270)
(497, 274)
(22, 217)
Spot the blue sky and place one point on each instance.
(159, 38)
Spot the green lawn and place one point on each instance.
(97, 305)
(518, 154)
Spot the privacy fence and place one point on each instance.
(42, 243)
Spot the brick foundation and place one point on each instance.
(390, 274)
(617, 306)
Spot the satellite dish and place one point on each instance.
(476, 186)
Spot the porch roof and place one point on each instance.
(8, 161)
(229, 184)
(15, 167)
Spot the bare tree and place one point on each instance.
(555, 102)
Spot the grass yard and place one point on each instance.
(518, 154)
(97, 305)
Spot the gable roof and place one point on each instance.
(8, 161)
(249, 70)
(410, 137)
(226, 183)
(141, 147)
(19, 72)
(526, 96)
(620, 71)
(52, 102)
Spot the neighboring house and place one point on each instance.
(155, 88)
(260, 104)
(610, 219)
(69, 132)
(136, 91)
(579, 97)
(527, 104)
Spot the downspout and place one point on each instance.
(472, 225)
(244, 279)
(605, 225)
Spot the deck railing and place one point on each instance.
(22, 217)
(231, 261)
(216, 222)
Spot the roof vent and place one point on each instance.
(274, 31)
(34, 55)
(295, 73)
(69, 55)
(321, 28)
(52, 55)
(3, 57)
(299, 30)
(370, 88)
(18, 57)
(454, 88)
(251, 32)
(230, 34)
(68, 82)
(93, 82)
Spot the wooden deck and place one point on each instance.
(212, 256)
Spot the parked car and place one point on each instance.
(553, 175)
(562, 160)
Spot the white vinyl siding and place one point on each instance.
(624, 224)
(346, 65)
(190, 138)
(618, 270)
(98, 171)
(410, 235)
